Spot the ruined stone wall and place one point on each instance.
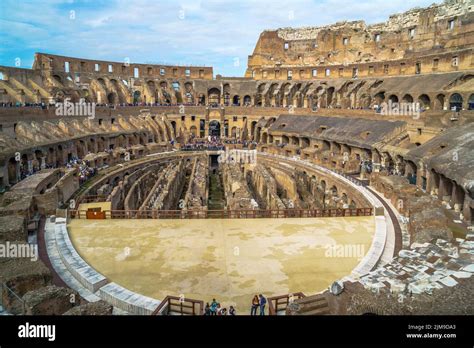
(436, 32)
(140, 189)
(197, 193)
(237, 193)
(167, 190)
(265, 187)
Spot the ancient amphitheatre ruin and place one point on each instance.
(336, 177)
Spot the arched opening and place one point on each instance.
(252, 129)
(247, 100)
(440, 102)
(424, 101)
(264, 138)
(470, 104)
(407, 98)
(393, 98)
(236, 100)
(136, 97)
(214, 128)
(173, 124)
(330, 95)
(214, 96)
(455, 102)
(379, 98)
(304, 142)
(285, 139)
(193, 131)
(112, 98)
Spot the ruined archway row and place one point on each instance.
(443, 91)
(441, 167)
(35, 146)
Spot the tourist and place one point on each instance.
(263, 302)
(219, 309)
(207, 310)
(232, 310)
(214, 305)
(255, 305)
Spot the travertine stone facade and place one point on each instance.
(423, 40)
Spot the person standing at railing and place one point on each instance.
(263, 302)
(255, 305)
(207, 310)
(232, 310)
(214, 305)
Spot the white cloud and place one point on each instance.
(206, 32)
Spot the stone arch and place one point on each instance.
(330, 96)
(407, 98)
(470, 102)
(236, 100)
(393, 98)
(137, 97)
(455, 102)
(247, 100)
(304, 142)
(439, 102)
(215, 128)
(214, 96)
(424, 101)
(112, 98)
(379, 98)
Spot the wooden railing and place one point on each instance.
(279, 303)
(227, 213)
(179, 305)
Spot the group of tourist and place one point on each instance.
(210, 143)
(85, 172)
(259, 303)
(24, 105)
(215, 309)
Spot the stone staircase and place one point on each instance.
(311, 305)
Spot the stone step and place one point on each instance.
(312, 306)
(319, 311)
(312, 298)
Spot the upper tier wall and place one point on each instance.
(440, 32)
(58, 64)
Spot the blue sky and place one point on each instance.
(218, 33)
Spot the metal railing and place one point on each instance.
(227, 213)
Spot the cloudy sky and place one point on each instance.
(218, 33)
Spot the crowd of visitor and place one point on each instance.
(212, 143)
(258, 305)
(84, 170)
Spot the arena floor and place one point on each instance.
(230, 260)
